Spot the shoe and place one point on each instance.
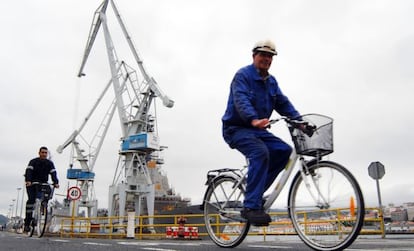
(256, 217)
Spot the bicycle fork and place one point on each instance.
(310, 178)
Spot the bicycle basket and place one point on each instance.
(46, 190)
(321, 142)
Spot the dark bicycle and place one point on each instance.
(44, 193)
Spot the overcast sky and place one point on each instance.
(351, 60)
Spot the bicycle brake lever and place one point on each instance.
(309, 129)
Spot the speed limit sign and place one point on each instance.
(74, 193)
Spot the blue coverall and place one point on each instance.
(252, 97)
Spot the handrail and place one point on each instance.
(115, 227)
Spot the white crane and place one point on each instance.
(134, 94)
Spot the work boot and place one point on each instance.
(256, 217)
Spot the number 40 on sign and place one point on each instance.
(74, 193)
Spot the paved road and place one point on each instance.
(18, 242)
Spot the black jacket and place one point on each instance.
(39, 170)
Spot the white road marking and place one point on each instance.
(268, 247)
(386, 248)
(137, 243)
(59, 240)
(159, 249)
(156, 244)
(97, 244)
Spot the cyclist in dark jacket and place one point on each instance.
(254, 95)
(38, 170)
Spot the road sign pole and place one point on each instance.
(74, 193)
(376, 170)
(381, 212)
(73, 218)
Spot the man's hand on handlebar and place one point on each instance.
(307, 129)
(260, 123)
(304, 126)
(29, 183)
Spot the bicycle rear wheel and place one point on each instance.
(222, 205)
(326, 206)
(41, 219)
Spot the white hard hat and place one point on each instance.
(265, 46)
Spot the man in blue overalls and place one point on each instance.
(254, 94)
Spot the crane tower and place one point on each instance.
(134, 94)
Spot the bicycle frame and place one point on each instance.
(283, 180)
(240, 175)
(290, 166)
(272, 197)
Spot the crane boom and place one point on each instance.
(96, 24)
(73, 136)
(151, 81)
(133, 99)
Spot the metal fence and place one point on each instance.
(117, 227)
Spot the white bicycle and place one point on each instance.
(325, 203)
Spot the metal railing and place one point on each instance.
(116, 227)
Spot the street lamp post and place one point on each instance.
(13, 219)
(12, 211)
(21, 205)
(17, 199)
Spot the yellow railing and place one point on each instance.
(116, 227)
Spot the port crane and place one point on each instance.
(135, 92)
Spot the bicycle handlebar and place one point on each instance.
(41, 183)
(52, 186)
(304, 126)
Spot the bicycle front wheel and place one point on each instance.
(32, 226)
(35, 215)
(41, 219)
(222, 206)
(326, 206)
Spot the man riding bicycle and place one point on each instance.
(38, 170)
(254, 94)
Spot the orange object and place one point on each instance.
(352, 206)
(225, 237)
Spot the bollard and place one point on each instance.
(175, 232)
(194, 233)
(187, 232)
(168, 232)
(131, 225)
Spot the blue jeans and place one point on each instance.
(267, 155)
